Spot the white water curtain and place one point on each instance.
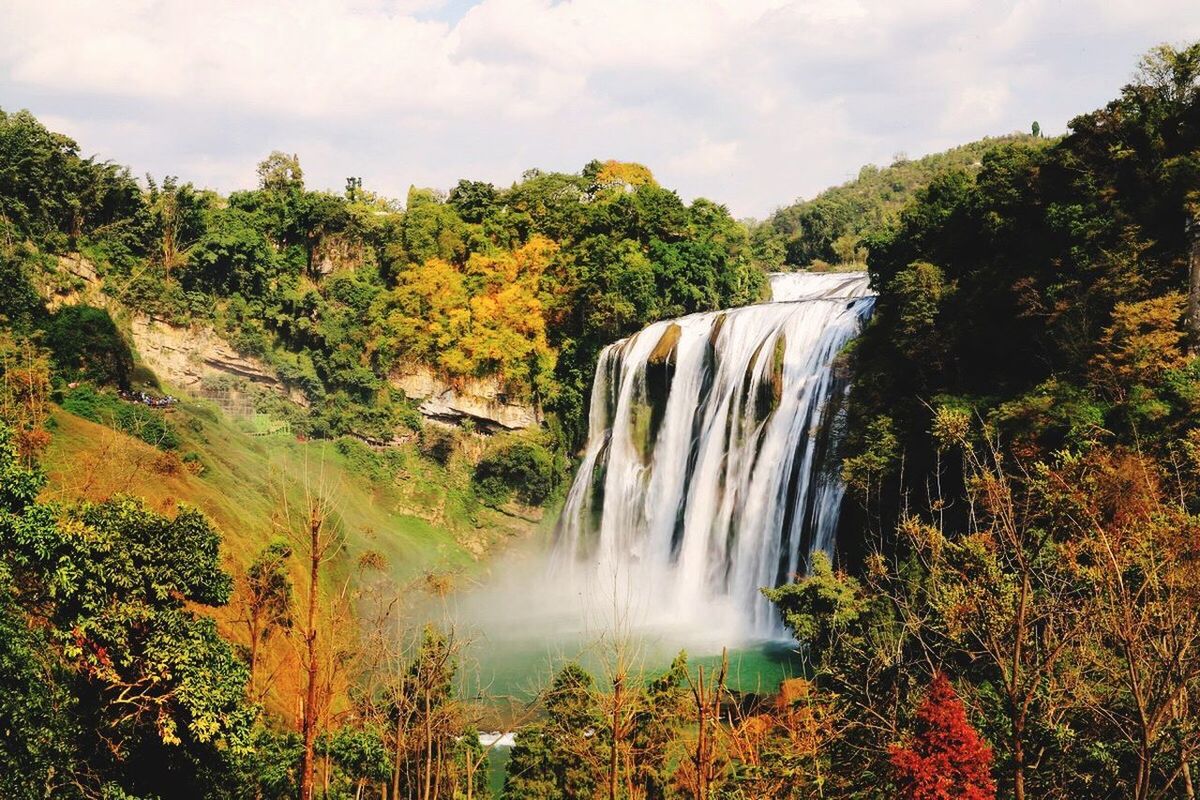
(709, 469)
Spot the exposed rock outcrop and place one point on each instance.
(480, 399)
(187, 357)
(74, 281)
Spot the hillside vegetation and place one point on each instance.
(1023, 453)
(305, 544)
(340, 291)
(831, 230)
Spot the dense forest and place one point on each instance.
(1015, 606)
(338, 291)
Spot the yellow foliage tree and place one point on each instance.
(625, 175)
(485, 319)
(1144, 341)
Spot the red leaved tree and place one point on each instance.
(946, 759)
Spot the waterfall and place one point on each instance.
(709, 469)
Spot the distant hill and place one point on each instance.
(829, 229)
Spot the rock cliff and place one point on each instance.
(186, 357)
(482, 400)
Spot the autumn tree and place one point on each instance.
(25, 394)
(485, 318)
(946, 759)
(1144, 342)
(1137, 549)
(782, 750)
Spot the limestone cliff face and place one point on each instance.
(480, 399)
(186, 357)
(74, 282)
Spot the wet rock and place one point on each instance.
(659, 373)
(766, 391)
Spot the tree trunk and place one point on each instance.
(1193, 229)
(614, 757)
(252, 624)
(309, 717)
(470, 775)
(701, 768)
(1017, 703)
(428, 746)
(1018, 759)
(399, 745)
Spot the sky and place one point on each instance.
(751, 103)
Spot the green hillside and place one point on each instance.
(419, 515)
(832, 229)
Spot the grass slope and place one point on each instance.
(422, 519)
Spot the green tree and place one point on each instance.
(520, 467)
(231, 256)
(280, 172)
(473, 200)
(20, 304)
(177, 214)
(86, 345)
(157, 697)
(565, 756)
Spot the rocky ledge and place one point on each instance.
(186, 357)
(481, 400)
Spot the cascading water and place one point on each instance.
(709, 467)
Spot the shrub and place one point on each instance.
(168, 463)
(408, 416)
(363, 460)
(438, 443)
(136, 420)
(520, 467)
(194, 463)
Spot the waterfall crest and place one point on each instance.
(709, 466)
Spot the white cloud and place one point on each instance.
(749, 102)
(984, 105)
(705, 158)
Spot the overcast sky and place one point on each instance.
(752, 103)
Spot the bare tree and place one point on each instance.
(707, 697)
(317, 538)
